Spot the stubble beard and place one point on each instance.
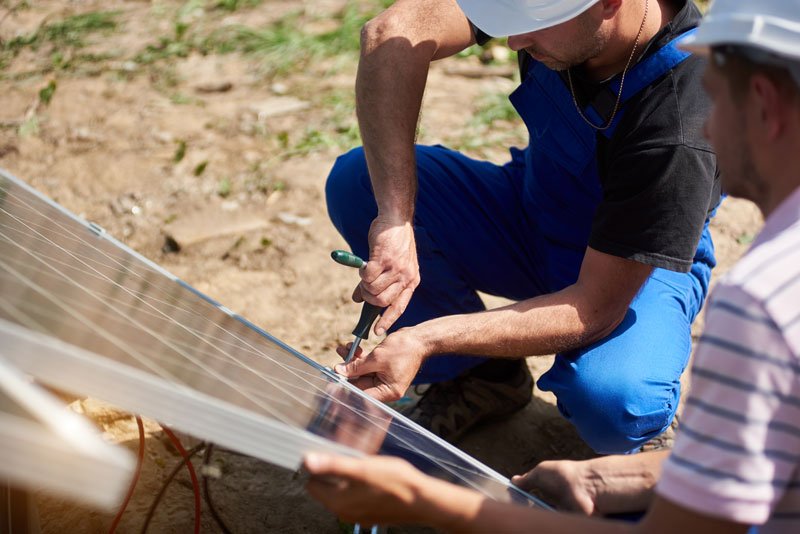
(571, 58)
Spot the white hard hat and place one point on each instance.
(771, 25)
(500, 18)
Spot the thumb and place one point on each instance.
(323, 464)
(525, 481)
(357, 297)
(359, 366)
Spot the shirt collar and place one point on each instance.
(785, 215)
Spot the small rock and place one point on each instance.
(81, 134)
(279, 88)
(164, 137)
(208, 224)
(214, 87)
(170, 246)
(211, 471)
(8, 149)
(125, 204)
(280, 105)
(229, 205)
(251, 156)
(291, 218)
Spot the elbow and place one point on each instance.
(398, 34)
(601, 323)
(378, 31)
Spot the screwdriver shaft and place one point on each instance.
(353, 348)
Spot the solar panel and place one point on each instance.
(45, 446)
(83, 312)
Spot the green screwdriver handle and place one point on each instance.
(346, 258)
(369, 312)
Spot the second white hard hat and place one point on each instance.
(500, 18)
(771, 25)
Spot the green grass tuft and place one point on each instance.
(63, 36)
(70, 32)
(281, 47)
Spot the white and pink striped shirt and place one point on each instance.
(737, 453)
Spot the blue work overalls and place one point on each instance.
(520, 230)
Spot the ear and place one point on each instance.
(609, 8)
(769, 107)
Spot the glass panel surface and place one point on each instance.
(68, 279)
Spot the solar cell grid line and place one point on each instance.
(141, 328)
(47, 447)
(109, 323)
(115, 311)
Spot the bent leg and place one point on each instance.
(624, 390)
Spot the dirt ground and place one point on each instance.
(206, 149)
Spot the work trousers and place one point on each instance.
(473, 234)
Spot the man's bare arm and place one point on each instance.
(574, 317)
(397, 48)
(600, 486)
(381, 490)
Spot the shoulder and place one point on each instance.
(770, 275)
(671, 111)
(768, 266)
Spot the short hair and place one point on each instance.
(740, 63)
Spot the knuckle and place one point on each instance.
(382, 300)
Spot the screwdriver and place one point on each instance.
(369, 312)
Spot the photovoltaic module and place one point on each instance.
(84, 313)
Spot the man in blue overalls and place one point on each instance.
(598, 229)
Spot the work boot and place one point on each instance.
(450, 408)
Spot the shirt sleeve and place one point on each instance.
(738, 446)
(655, 205)
(658, 175)
(481, 37)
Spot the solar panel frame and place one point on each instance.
(61, 340)
(47, 447)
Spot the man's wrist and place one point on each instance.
(432, 335)
(447, 508)
(395, 215)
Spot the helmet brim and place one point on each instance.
(501, 18)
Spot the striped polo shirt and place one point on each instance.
(737, 453)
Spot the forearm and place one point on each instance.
(388, 102)
(397, 48)
(574, 317)
(543, 325)
(454, 509)
(621, 483)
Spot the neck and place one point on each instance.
(779, 169)
(780, 189)
(623, 29)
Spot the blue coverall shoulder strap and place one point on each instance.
(561, 177)
(642, 75)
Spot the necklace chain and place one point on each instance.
(607, 125)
